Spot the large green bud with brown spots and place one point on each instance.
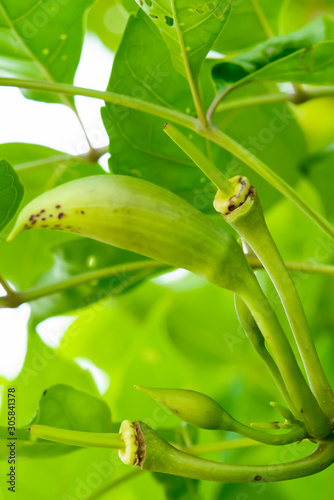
(139, 216)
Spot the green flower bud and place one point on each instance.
(193, 407)
(141, 217)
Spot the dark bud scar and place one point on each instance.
(34, 221)
(58, 206)
(43, 218)
(31, 217)
(82, 211)
(42, 211)
(257, 478)
(51, 215)
(61, 215)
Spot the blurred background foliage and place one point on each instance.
(174, 330)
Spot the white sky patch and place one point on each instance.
(93, 72)
(13, 340)
(215, 55)
(52, 330)
(103, 161)
(100, 377)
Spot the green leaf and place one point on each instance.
(138, 145)
(296, 14)
(304, 56)
(41, 40)
(245, 28)
(65, 407)
(11, 192)
(83, 256)
(318, 168)
(188, 30)
(107, 19)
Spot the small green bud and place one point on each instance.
(193, 407)
(284, 411)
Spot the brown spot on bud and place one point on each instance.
(61, 215)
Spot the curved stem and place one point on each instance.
(60, 158)
(297, 434)
(258, 100)
(6, 286)
(160, 456)
(18, 298)
(257, 340)
(249, 222)
(78, 438)
(44, 291)
(112, 97)
(309, 411)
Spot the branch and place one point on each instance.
(17, 298)
(213, 134)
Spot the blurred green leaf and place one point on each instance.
(319, 169)
(304, 56)
(138, 145)
(11, 192)
(81, 256)
(41, 40)
(107, 19)
(296, 13)
(245, 28)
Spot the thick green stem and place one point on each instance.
(159, 456)
(208, 168)
(18, 298)
(249, 222)
(200, 449)
(112, 97)
(257, 340)
(121, 269)
(78, 438)
(309, 411)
